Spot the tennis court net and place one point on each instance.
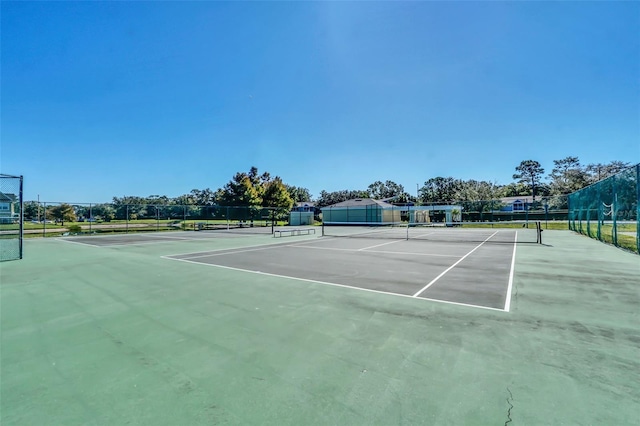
(506, 232)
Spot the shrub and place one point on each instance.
(76, 229)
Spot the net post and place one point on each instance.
(539, 232)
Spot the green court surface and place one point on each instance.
(121, 334)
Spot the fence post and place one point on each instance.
(21, 219)
(638, 208)
(614, 212)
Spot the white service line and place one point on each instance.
(229, 251)
(417, 237)
(172, 256)
(380, 245)
(168, 237)
(404, 253)
(76, 242)
(507, 303)
(453, 266)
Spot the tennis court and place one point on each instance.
(208, 328)
(159, 237)
(465, 273)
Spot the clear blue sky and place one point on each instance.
(103, 99)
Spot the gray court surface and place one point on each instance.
(99, 240)
(474, 274)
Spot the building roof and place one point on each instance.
(8, 197)
(361, 202)
(521, 198)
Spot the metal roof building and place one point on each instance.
(361, 210)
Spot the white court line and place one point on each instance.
(137, 243)
(335, 284)
(169, 237)
(75, 242)
(229, 251)
(507, 303)
(453, 266)
(406, 253)
(274, 246)
(380, 245)
(417, 237)
(278, 243)
(117, 244)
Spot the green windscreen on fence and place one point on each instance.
(608, 210)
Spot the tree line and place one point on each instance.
(261, 190)
(567, 176)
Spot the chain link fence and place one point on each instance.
(53, 219)
(11, 217)
(609, 210)
(544, 209)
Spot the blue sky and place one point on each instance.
(104, 99)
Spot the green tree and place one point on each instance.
(529, 172)
(329, 198)
(205, 197)
(474, 190)
(185, 200)
(63, 212)
(477, 196)
(277, 196)
(30, 209)
(388, 189)
(298, 194)
(440, 189)
(158, 200)
(567, 176)
(513, 190)
(105, 212)
(241, 191)
(601, 171)
(129, 207)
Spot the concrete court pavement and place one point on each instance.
(120, 335)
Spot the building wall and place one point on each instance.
(366, 214)
(371, 213)
(300, 218)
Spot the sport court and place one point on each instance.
(225, 328)
(467, 273)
